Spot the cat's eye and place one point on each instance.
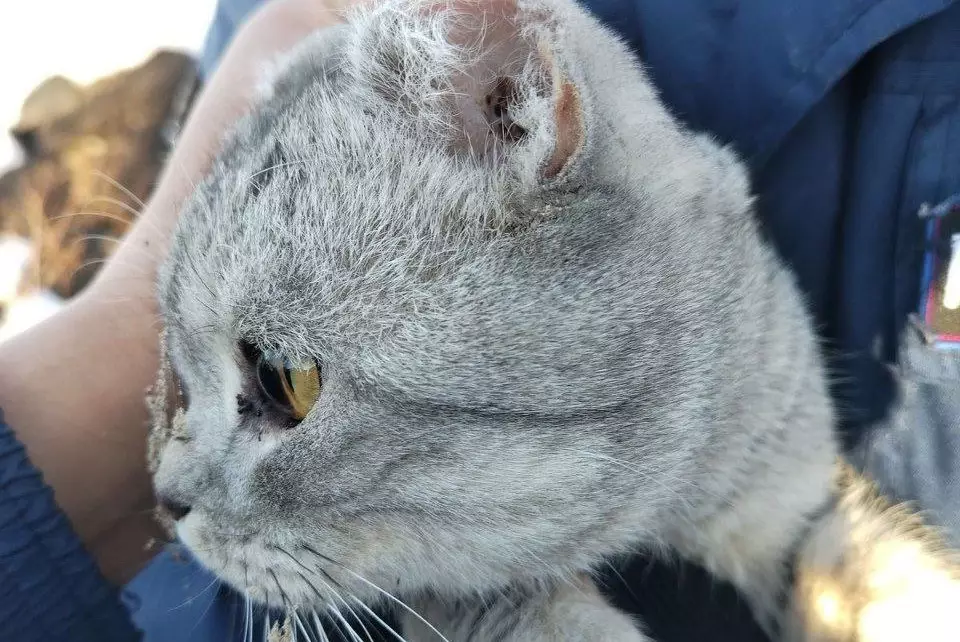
(292, 388)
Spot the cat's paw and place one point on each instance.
(873, 571)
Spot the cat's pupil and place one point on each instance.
(293, 389)
(290, 388)
(271, 382)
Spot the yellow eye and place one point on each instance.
(293, 389)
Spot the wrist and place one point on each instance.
(72, 389)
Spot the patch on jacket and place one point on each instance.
(940, 287)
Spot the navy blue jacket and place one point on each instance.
(849, 121)
(50, 589)
(848, 115)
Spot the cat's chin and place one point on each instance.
(276, 575)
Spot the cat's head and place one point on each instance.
(447, 308)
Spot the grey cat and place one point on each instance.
(461, 310)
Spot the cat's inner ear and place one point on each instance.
(498, 110)
(511, 89)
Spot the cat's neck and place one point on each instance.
(760, 489)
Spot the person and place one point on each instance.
(847, 113)
(72, 392)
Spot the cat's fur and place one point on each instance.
(549, 333)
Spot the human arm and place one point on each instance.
(73, 386)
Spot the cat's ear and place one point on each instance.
(514, 100)
(487, 77)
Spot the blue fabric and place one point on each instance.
(842, 111)
(50, 588)
(915, 454)
(176, 600)
(229, 15)
(848, 114)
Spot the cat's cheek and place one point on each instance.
(214, 553)
(216, 556)
(231, 561)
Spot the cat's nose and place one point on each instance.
(174, 508)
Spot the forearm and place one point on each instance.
(73, 387)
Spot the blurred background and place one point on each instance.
(92, 93)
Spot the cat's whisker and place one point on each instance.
(332, 590)
(313, 587)
(622, 579)
(151, 254)
(119, 186)
(385, 593)
(294, 618)
(206, 610)
(284, 600)
(651, 477)
(132, 211)
(357, 618)
(160, 233)
(213, 297)
(298, 626)
(312, 572)
(319, 625)
(191, 263)
(215, 581)
(248, 614)
(377, 618)
(265, 170)
(96, 237)
(247, 618)
(86, 212)
(346, 625)
(336, 623)
(306, 627)
(199, 331)
(340, 598)
(90, 263)
(333, 607)
(246, 574)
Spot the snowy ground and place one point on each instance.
(82, 40)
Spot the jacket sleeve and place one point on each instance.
(50, 588)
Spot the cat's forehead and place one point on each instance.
(336, 222)
(364, 174)
(343, 207)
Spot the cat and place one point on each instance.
(461, 311)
